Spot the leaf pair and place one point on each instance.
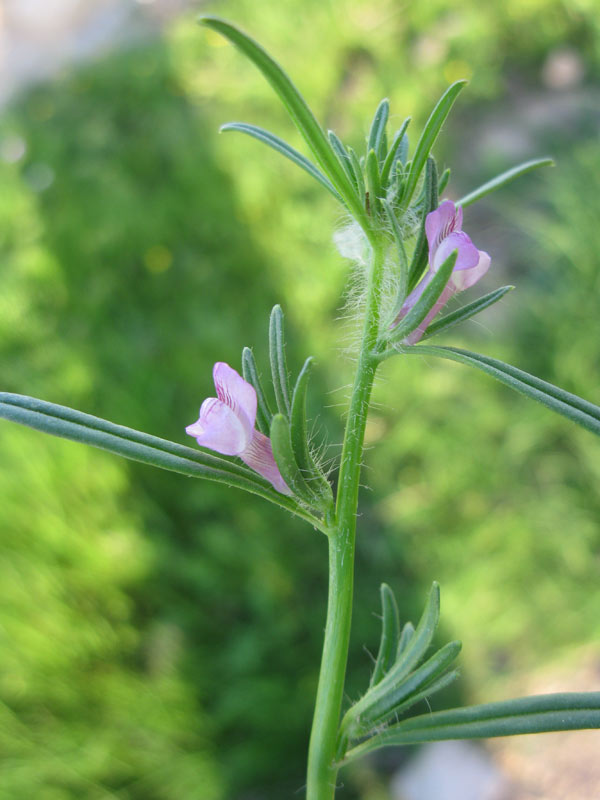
(287, 427)
(401, 676)
(328, 171)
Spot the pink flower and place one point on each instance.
(226, 425)
(444, 236)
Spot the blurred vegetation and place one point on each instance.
(160, 637)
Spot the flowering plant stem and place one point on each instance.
(322, 767)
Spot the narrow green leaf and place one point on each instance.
(422, 636)
(537, 714)
(390, 634)
(284, 458)
(376, 139)
(264, 415)
(408, 631)
(373, 179)
(569, 405)
(466, 312)
(279, 371)
(386, 170)
(343, 156)
(299, 440)
(402, 259)
(403, 152)
(428, 137)
(285, 149)
(430, 202)
(427, 690)
(444, 180)
(358, 173)
(425, 303)
(296, 106)
(68, 423)
(383, 701)
(501, 180)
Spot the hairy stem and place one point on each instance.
(322, 767)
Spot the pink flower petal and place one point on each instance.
(220, 428)
(468, 254)
(465, 278)
(259, 456)
(440, 223)
(235, 392)
(444, 236)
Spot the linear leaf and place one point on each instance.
(279, 371)
(501, 180)
(420, 639)
(285, 149)
(343, 156)
(386, 170)
(358, 172)
(569, 405)
(426, 301)
(68, 423)
(466, 312)
(538, 714)
(285, 460)
(378, 704)
(373, 179)
(376, 140)
(444, 179)
(428, 137)
(264, 415)
(390, 634)
(295, 104)
(430, 202)
(408, 631)
(299, 439)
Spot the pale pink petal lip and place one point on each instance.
(467, 256)
(237, 393)
(259, 456)
(220, 429)
(465, 278)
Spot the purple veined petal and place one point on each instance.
(441, 223)
(465, 278)
(219, 428)
(447, 293)
(259, 456)
(235, 392)
(467, 256)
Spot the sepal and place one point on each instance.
(313, 476)
(377, 137)
(264, 415)
(279, 371)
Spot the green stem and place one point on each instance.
(322, 767)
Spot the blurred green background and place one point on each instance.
(160, 637)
